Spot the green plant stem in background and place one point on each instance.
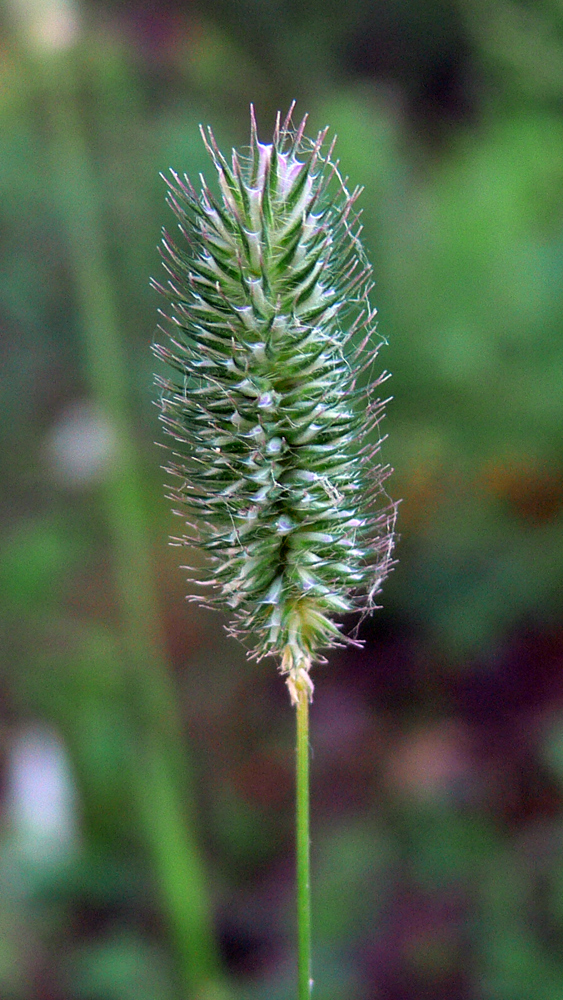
(159, 766)
(303, 847)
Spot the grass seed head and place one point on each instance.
(272, 402)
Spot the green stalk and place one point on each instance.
(159, 768)
(305, 983)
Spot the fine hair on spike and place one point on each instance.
(270, 398)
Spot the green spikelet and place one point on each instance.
(269, 330)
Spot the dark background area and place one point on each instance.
(146, 768)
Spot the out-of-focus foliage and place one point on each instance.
(438, 749)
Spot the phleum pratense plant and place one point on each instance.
(274, 410)
(271, 332)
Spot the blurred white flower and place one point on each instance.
(41, 796)
(80, 445)
(46, 25)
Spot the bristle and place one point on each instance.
(287, 119)
(276, 137)
(298, 137)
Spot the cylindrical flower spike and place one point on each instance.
(273, 405)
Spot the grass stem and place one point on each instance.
(161, 800)
(303, 849)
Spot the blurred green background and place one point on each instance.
(146, 788)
